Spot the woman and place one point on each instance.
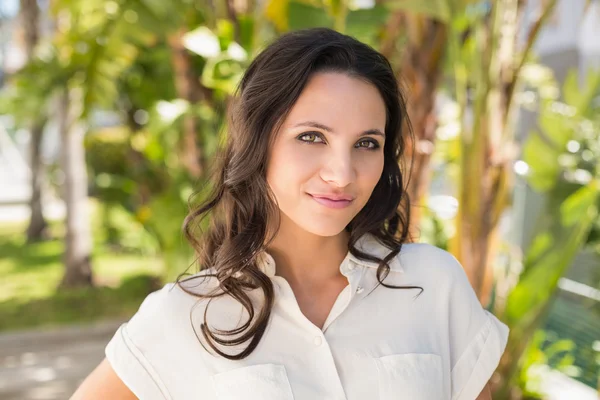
(308, 288)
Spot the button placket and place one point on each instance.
(354, 274)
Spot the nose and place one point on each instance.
(338, 169)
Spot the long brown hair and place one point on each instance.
(241, 201)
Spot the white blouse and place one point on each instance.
(375, 344)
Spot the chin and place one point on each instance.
(324, 228)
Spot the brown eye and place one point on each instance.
(368, 144)
(310, 137)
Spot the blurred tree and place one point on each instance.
(187, 83)
(415, 40)
(78, 240)
(165, 94)
(99, 41)
(563, 159)
(420, 69)
(487, 67)
(544, 352)
(37, 228)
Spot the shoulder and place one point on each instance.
(176, 294)
(167, 311)
(160, 335)
(424, 258)
(180, 308)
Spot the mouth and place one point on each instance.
(335, 202)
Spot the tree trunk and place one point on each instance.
(420, 69)
(188, 87)
(37, 229)
(488, 144)
(30, 19)
(78, 241)
(483, 155)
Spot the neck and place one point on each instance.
(303, 258)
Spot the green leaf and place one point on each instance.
(222, 73)
(302, 16)
(582, 97)
(225, 32)
(541, 159)
(552, 252)
(571, 90)
(436, 9)
(365, 24)
(334, 6)
(106, 41)
(247, 22)
(560, 346)
(542, 243)
(590, 92)
(32, 87)
(276, 11)
(556, 124)
(579, 205)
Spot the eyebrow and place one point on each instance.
(313, 124)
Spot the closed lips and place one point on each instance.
(333, 197)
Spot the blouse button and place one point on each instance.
(317, 340)
(359, 289)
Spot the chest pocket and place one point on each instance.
(262, 381)
(410, 376)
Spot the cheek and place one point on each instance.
(370, 173)
(289, 167)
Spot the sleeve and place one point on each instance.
(125, 351)
(477, 338)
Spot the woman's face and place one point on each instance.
(328, 156)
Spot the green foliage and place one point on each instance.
(567, 132)
(149, 78)
(571, 319)
(106, 150)
(572, 188)
(581, 205)
(223, 73)
(118, 171)
(78, 305)
(31, 272)
(150, 187)
(438, 9)
(365, 24)
(551, 252)
(301, 16)
(166, 215)
(32, 87)
(99, 41)
(434, 230)
(542, 353)
(442, 10)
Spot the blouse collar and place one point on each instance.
(367, 244)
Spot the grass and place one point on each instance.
(31, 273)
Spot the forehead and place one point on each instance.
(340, 101)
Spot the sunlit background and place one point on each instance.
(111, 112)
